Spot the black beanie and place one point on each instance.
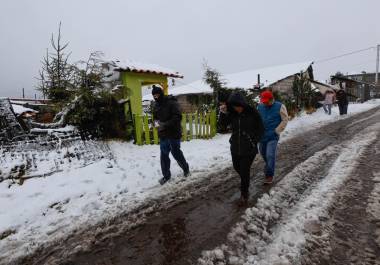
(157, 90)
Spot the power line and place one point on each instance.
(343, 55)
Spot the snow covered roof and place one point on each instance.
(244, 80)
(139, 67)
(323, 87)
(20, 109)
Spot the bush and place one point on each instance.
(98, 114)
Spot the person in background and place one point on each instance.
(275, 118)
(342, 99)
(329, 101)
(167, 119)
(247, 129)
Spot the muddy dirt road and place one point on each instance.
(178, 232)
(352, 233)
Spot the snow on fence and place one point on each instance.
(47, 155)
(194, 126)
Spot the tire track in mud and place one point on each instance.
(350, 235)
(177, 232)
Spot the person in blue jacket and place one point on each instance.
(275, 118)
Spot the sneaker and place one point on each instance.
(164, 180)
(268, 180)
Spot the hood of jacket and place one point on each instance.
(237, 99)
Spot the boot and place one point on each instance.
(243, 201)
(268, 180)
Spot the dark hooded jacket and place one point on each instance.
(341, 97)
(167, 112)
(247, 127)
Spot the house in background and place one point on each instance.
(355, 86)
(279, 78)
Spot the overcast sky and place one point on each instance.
(232, 35)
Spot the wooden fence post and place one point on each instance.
(213, 123)
(138, 129)
(146, 130)
(191, 126)
(155, 132)
(208, 126)
(184, 127)
(196, 122)
(200, 125)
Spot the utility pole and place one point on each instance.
(377, 87)
(377, 65)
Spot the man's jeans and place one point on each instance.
(268, 151)
(327, 108)
(174, 146)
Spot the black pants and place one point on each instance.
(242, 165)
(343, 109)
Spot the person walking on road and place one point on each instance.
(342, 99)
(275, 119)
(247, 129)
(167, 119)
(329, 101)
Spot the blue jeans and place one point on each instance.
(268, 151)
(174, 146)
(327, 108)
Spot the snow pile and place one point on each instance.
(20, 109)
(374, 199)
(64, 130)
(253, 242)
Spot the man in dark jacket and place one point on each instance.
(275, 119)
(247, 129)
(167, 119)
(341, 97)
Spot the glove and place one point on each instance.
(223, 108)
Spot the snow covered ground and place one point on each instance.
(254, 242)
(45, 209)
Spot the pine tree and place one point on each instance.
(214, 79)
(57, 74)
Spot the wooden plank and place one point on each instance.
(196, 123)
(184, 129)
(146, 130)
(208, 126)
(138, 129)
(191, 126)
(213, 123)
(200, 125)
(155, 132)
